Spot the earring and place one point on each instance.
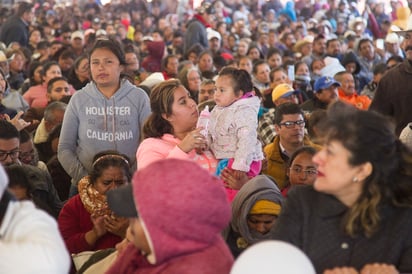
(355, 179)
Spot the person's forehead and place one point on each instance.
(9, 144)
(60, 83)
(291, 117)
(207, 86)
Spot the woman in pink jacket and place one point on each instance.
(170, 131)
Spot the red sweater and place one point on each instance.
(74, 221)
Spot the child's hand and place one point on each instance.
(234, 179)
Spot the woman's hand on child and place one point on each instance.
(234, 179)
(193, 140)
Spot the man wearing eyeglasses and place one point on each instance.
(290, 135)
(9, 154)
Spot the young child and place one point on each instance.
(233, 125)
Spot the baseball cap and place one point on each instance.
(121, 201)
(392, 38)
(282, 91)
(77, 34)
(325, 82)
(213, 34)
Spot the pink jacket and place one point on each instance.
(154, 149)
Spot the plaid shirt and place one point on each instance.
(266, 127)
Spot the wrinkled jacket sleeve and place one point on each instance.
(153, 149)
(70, 225)
(68, 144)
(246, 123)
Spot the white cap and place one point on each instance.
(4, 181)
(213, 34)
(392, 38)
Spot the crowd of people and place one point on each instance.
(306, 136)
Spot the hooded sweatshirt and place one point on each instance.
(182, 221)
(153, 62)
(93, 123)
(258, 188)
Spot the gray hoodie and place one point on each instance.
(93, 123)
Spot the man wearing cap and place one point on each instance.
(290, 135)
(16, 28)
(318, 50)
(171, 230)
(214, 38)
(283, 93)
(30, 241)
(392, 46)
(77, 42)
(196, 28)
(393, 96)
(325, 92)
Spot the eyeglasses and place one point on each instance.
(13, 154)
(307, 172)
(291, 124)
(26, 155)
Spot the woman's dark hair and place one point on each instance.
(18, 177)
(33, 66)
(305, 149)
(241, 80)
(302, 150)
(298, 64)
(112, 45)
(161, 101)
(109, 158)
(47, 66)
(370, 138)
(273, 51)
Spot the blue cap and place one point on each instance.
(325, 82)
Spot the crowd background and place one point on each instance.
(129, 78)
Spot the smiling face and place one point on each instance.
(105, 68)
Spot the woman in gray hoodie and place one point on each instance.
(106, 114)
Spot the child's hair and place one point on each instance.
(241, 80)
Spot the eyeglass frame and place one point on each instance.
(307, 172)
(5, 154)
(292, 124)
